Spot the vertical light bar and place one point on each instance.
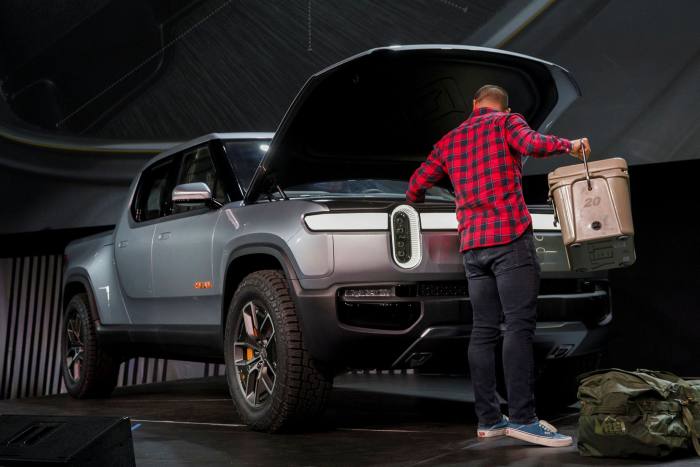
(411, 235)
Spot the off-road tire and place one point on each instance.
(301, 389)
(99, 368)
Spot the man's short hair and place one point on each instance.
(493, 93)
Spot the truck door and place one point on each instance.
(183, 278)
(134, 235)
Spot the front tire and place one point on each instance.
(88, 369)
(274, 383)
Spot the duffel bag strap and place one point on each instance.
(688, 419)
(663, 375)
(690, 425)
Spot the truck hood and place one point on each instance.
(378, 114)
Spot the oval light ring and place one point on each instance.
(411, 234)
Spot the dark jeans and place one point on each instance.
(504, 283)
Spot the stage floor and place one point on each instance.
(372, 419)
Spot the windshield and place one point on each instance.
(366, 187)
(244, 157)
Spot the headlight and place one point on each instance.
(347, 221)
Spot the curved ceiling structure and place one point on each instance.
(207, 66)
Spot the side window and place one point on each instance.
(153, 194)
(198, 166)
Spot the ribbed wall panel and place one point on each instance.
(30, 323)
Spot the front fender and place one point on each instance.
(278, 229)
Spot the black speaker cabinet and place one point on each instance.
(32, 440)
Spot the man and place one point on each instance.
(482, 157)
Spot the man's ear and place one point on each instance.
(508, 110)
(474, 104)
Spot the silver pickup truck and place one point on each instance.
(293, 256)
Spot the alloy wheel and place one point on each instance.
(255, 354)
(75, 347)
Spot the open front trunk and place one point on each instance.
(377, 114)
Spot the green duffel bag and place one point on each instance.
(637, 414)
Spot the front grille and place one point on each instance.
(460, 288)
(443, 289)
(565, 286)
(590, 310)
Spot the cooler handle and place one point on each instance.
(585, 164)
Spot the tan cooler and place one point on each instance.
(592, 203)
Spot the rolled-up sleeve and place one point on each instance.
(528, 142)
(428, 174)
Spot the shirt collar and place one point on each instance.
(482, 111)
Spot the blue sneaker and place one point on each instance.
(539, 432)
(489, 431)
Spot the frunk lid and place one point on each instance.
(378, 114)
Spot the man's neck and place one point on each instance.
(479, 111)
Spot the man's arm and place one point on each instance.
(425, 176)
(528, 142)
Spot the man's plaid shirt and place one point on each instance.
(482, 157)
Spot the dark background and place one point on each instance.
(82, 81)
(131, 70)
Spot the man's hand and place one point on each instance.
(576, 148)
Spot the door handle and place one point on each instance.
(164, 236)
(123, 244)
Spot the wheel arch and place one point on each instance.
(248, 260)
(77, 283)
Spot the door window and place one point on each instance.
(153, 194)
(198, 166)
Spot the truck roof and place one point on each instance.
(212, 136)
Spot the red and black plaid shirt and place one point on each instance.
(482, 157)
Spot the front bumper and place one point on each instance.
(430, 323)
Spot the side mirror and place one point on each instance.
(193, 193)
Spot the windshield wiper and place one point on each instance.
(270, 195)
